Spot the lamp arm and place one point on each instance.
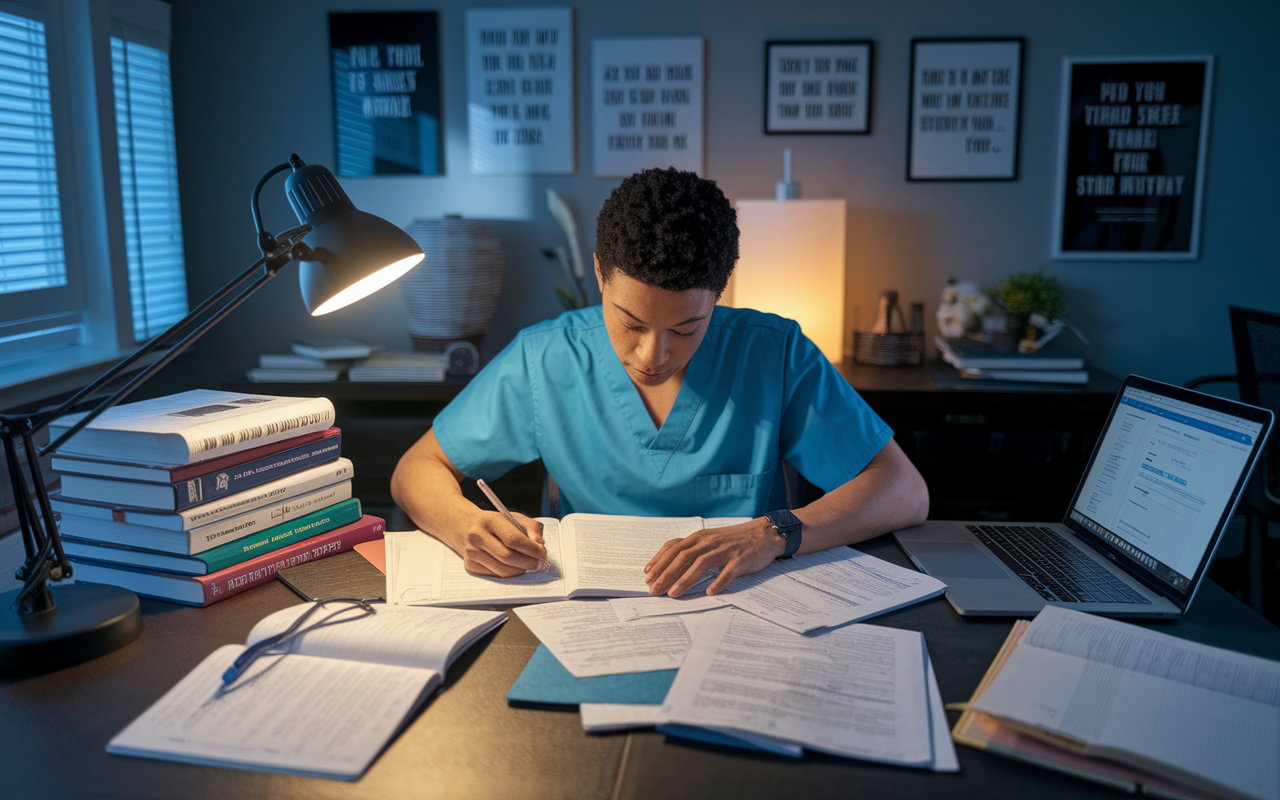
(173, 352)
(266, 242)
(39, 422)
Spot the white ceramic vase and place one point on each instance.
(453, 293)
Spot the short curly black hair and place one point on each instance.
(669, 229)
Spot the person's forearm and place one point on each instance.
(887, 495)
(430, 493)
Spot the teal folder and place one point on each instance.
(545, 682)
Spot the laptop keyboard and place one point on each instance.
(1053, 566)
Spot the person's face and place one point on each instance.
(654, 331)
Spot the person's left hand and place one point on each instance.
(734, 550)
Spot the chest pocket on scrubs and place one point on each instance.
(732, 495)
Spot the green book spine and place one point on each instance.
(273, 538)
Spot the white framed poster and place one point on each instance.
(966, 98)
(647, 96)
(817, 87)
(520, 114)
(1131, 157)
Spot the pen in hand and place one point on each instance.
(544, 566)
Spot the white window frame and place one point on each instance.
(78, 34)
(25, 312)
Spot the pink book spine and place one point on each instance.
(233, 580)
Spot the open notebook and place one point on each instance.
(325, 709)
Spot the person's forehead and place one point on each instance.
(655, 305)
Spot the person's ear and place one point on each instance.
(599, 275)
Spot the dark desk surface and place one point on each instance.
(468, 744)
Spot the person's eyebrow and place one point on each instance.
(642, 322)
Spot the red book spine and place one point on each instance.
(233, 580)
(198, 468)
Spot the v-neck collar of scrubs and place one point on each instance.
(659, 443)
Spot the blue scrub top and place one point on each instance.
(756, 391)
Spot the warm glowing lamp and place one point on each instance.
(791, 263)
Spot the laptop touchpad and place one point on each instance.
(956, 560)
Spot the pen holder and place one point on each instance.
(888, 349)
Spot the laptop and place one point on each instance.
(1138, 536)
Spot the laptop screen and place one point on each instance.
(1164, 477)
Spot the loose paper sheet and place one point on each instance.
(586, 637)
(828, 588)
(857, 691)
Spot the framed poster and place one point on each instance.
(520, 91)
(648, 99)
(817, 87)
(1131, 156)
(386, 93)
(966, 99)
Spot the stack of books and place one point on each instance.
(201, 495)
(312, 361)
(997, 358)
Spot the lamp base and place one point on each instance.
(91, 620)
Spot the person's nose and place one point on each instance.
(652, 352)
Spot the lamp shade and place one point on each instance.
(355, 253)
(791, 263)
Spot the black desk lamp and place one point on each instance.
(349, 254)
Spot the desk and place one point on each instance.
(468, 744)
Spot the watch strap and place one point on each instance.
(788, 527)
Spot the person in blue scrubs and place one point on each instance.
(661, 403)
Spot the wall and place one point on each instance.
(251, 85)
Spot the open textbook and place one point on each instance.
(325, 709)
(1200, 716)
(592, 555)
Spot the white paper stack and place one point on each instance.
(411, 367)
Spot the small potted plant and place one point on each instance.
(1031, 300)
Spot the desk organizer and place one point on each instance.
(888, 349)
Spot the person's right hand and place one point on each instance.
(492, 546)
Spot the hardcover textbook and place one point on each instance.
(192, 426)
(202, 538)
(177, 473)
(156, 580)
(326, 709)
(220, 480)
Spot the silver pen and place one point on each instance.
(498, 504)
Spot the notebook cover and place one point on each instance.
(347, 574)
(546, 683)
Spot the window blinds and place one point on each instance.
(149, 186)
(31, 249)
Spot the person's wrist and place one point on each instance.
(775, 545)
(788, 528)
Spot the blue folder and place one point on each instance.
(545, 683)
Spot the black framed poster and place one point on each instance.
(1131, 157)
(386, 93)
(817, 87)
(966, 100)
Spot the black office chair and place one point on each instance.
(1256, 338)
